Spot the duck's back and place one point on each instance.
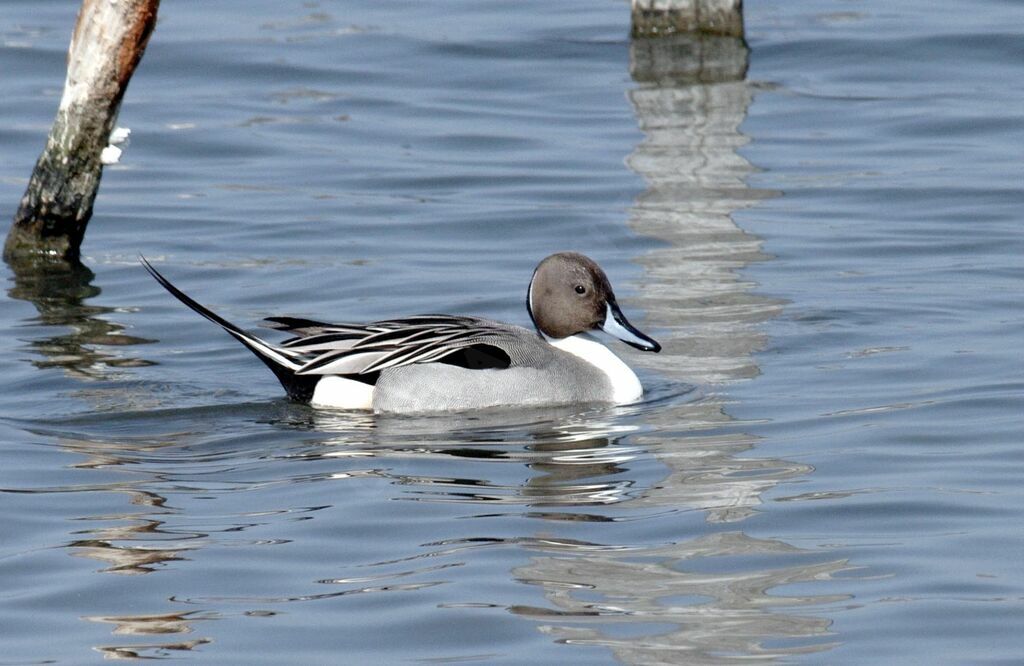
(538, 374)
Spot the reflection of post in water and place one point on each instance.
(133, 546)
(59, 291)
(140, 544)
(150, 625)
(690, 100)
(716, 613)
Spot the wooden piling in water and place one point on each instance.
(107, 44)
(666, 17)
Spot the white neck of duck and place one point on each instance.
(626, 386)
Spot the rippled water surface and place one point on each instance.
(823, 231)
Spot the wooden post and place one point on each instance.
(108, 41)
(666, 17)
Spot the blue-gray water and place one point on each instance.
(828, 465)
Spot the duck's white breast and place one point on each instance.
(626, 385)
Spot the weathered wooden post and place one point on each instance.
(108, 41)
(723, 18)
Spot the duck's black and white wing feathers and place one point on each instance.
(355, 349)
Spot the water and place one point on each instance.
(826, 469)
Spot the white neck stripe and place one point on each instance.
(626, 386)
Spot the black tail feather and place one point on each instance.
(192, 304)
(292, 323)
(298, 387)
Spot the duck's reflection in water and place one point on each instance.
(580, 458)
(697, 600)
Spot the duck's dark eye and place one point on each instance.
(580, 289)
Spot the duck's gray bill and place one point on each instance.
(615, 323)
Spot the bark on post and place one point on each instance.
(108, 41)
(666, 17)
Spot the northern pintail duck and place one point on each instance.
(430, 363)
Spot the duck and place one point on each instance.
(447, 363)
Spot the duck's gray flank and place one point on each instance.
(441, 362)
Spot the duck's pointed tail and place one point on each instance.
(281, 362)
